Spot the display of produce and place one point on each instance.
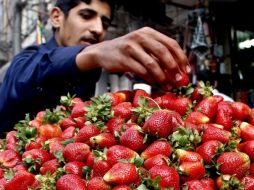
(186, 139)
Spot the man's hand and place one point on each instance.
(146, 53)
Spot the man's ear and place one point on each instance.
(56, 17)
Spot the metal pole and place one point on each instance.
(17, 9)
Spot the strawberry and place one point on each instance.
(211, 132)
(68, 133)
(97, 183)
(100, 168)
(67, 122)
(122, 187)
(191, 171)
(74, 167)
(102, 140)
(125, 95)
(162, 123)
(121, 173)
(248, 148)
(118, 152)
(247, 131)
(76, 152)
(164, 177)
(11, 140)
(35, 158)
(78, 110)
(69, 181)
(9, 158)
(116, 124)
(157, 160)
(55, 146)
(21, 181)
(133, 138)
(180, 83)
(187, 156)
(49, 131)
(197, 185)
(197, 118)
(49, 166)
(201, 91)
(115, 99)
(241, 111)
(157, 147)
(251, 117)
(86, 132)
(35, 143)
(123, 110)
(137, 94)
(226, 181)
(234, 163)
(208, 106)
(248, 182)
(208, 150)
(224, 115)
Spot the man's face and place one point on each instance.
(85, 24)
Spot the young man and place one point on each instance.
(71, 61)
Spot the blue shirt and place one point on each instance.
(38, 77)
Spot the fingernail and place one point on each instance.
(188, 69)
(178, 77)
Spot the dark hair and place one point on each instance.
(67, 5)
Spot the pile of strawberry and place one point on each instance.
(184, 139)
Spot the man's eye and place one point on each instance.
(86, 16)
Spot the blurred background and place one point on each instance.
(216, 35)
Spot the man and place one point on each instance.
(71, 61)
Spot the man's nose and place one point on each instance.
(97, 26)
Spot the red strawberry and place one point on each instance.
(234, 163)
(137, 94)
(157, 160)
(68, 133)
(198, 185)
(247, 131)
(86, 132)
(211, 132)
(49, 166)
(209, 149)
(116, 124)
(11, 140)
(133, 138)
(252, 169)
(224, 115)
(121, 173)
(49, 131)
(36, 143)
(123, 110)
(76, 152)
(208, 106)
(248, 148)
(122, 187)
(22, 180)
(248, 182)
(187, 156)
(35, 157)
(191, 171)
(74, 167)
(97, 183)
(55, 146)
(162, 123)
(78, 109)
(70, 181)
(157, 147)
(103, 140)
(241, 111)
(100, 167)
(115, 99)
(119, 152)
(169, 178)
(251, 117)
(183, 82)
(226, 181)
(67, 122)
(197, 118)
(201, 91)
(9, 158)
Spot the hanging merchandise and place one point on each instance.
(199, 44)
